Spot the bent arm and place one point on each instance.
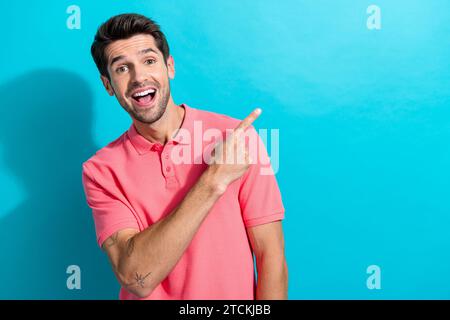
(141, 260)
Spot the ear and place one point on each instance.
(171, 67)
(107, 85)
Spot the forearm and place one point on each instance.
(152, 253)
(272, 281)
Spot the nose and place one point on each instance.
(139, 76)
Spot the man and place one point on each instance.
(177, 230)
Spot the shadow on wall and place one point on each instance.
(46, 121)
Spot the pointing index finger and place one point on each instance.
(249, 120)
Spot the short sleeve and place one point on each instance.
(110, 214)
(259, 195)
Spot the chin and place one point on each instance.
(149, 116)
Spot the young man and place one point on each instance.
(171, 229)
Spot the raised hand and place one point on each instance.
(230, 158)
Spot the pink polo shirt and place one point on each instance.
(133, 183)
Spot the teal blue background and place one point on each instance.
(364, 125)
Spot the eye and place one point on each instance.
(150, 61)
(122, 69)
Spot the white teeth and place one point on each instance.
(143, 93)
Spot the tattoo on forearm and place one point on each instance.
(111, 240)
(140, 280)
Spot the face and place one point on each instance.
(139, 77)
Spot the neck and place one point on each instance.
(162, 130)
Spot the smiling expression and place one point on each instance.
(139, 77)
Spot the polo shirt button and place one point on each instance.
(166, 156)
(157, 147)
(168, 169)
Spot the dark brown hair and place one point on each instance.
(125, 26)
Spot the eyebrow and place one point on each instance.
(141, 52)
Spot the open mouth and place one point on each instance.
(144, 97)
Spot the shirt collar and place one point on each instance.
(142, 145)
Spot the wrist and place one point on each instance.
(213, 183)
